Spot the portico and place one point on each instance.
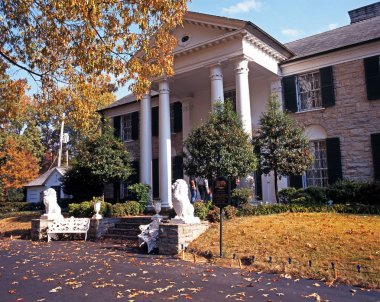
(216, 58)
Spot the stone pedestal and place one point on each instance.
(39, 228)
(173, 235)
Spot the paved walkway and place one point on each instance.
(92, 271)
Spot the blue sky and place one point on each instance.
(284, 20)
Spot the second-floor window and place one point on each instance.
(306, 91)
(309, 91)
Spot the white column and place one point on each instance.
(216, 78)
(243, 102)
(165, 160)
(146, 140)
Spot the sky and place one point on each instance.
(284, 20)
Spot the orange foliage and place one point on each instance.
(20, 165)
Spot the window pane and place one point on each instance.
(126, 125)
(309, 91)
(317, 174)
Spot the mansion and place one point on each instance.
(330, 82)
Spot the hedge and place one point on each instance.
(251, 210)
(86, 209)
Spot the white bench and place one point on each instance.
(69, 226)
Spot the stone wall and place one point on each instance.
(99, 227)
(353, 119)
(173, 236)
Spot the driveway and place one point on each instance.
(78, 271)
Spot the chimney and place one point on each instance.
(365, 12)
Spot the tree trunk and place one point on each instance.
(275, 185)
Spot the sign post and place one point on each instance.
(221, 198)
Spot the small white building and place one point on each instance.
(50, 179)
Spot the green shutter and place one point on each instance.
(155, 121)
(334, 161)
(156, 176)
(116, 191)
(135, 125)
(177, 127)
(295, 181)
(290, 93)
(372, 77)
(327, 86)
(375, 143)
(117, 126)
(258, 186)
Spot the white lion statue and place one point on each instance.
(53, 211)
(181, 203)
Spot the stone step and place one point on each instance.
(120, 237)
(129, 225)
(137, 220)
(122, 231)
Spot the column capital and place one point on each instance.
(216, 72)
(163, 87)
(241, 66)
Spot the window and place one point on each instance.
(309, 91)
(372, 77)
(175, 118)
(126, 127)
(317, 175)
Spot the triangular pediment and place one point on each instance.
(199, 28)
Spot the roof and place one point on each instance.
(347, 36)
(237, 24)
(130, 98)
(41, 180)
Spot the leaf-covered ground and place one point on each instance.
(104, 271)
(17, 224)
(322, 238)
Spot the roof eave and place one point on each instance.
(328, 51)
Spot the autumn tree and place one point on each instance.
(70, 41)
(100, 160)
(219, 146)
(280, 144)
(18, 166)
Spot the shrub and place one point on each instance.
(86, 209)
(241, 196)
(141, 192)
(229, 212)
(129, 208)
(316, 195)
(369, 193)
(286, 195)
(83, 209)
(201, 210)
(251, 210)
(132, 208)
(7, 206)
(213, 214)
(344, 191)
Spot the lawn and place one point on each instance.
(17, 224)
(346, 240)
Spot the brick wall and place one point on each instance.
(352, 119)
